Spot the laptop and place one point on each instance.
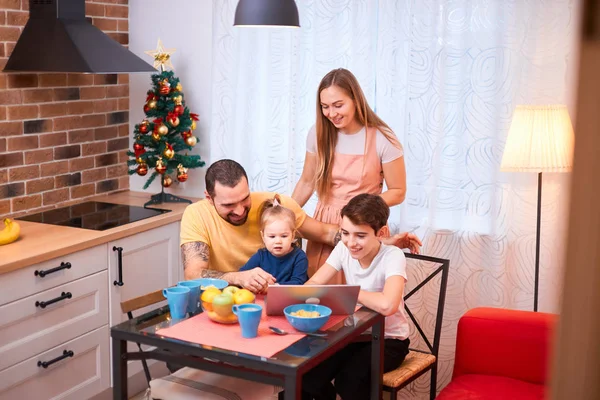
(340, 298)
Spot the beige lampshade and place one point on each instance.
(540, 139)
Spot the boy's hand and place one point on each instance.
(404, 241)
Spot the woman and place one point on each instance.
(349, 151)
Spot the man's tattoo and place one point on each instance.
(192, 250)
(211, 273)
(337, 238)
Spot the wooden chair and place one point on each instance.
(418, 362)
(137, 303)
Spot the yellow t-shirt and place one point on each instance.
(230, 246)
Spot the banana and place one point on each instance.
(10, 233)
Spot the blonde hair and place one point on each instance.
(327, 132)
(272, 209)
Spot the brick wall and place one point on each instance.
(63, 137)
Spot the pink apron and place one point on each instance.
(351, 175)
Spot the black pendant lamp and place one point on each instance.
(275, 13)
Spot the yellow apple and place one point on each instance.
(231, 290)
(243, 296)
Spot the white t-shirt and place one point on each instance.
(355, 144)
(390, 261)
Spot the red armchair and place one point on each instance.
(501, 354)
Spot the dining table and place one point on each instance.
(195, 341)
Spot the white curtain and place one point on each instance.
(446, 76)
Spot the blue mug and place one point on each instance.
(194, 297)
(177, 298)
(249, 318)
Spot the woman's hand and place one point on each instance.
(404, 240)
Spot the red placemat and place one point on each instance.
(200, 329)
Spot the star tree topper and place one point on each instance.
(162, 56)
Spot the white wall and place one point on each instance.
(185, 25)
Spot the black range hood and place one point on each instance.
(58, 38)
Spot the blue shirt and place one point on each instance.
(290, 269)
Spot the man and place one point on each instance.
(220, 233)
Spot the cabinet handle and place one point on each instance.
(44, 304)
(65, 354)
(63, 265)
(120, 260)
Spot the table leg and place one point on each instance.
(293, 387)
(377, 354)
(119, 370)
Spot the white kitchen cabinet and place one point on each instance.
(75, 370)
(150, 261)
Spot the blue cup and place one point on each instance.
(178, 300)
(194, 295)
(249, 318)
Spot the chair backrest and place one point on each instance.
(137, 303)
(443, 269)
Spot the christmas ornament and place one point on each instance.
(178, 109)
(161, 168)
(191, 141)
(178, 99)
(194, 118)
(167, 181)
(186, 134)
(165, 87)
(172, 119)
(168, 152)
(142, 169)
(162, 129)
(144, 127)
(152, 104)
(179, 88)
(162, 56)
(146, 108)
(182, 173)
(156, 136)
(138, 147)
(139, 160)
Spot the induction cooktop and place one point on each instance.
(94, 215)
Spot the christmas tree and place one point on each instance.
(164, 137)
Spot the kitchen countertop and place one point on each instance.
(41, 242)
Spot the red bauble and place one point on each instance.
(182, 177)
(142, 169)
(143, 128)
(146, 108)
(178, 109)
(164, 90)
(138, 147)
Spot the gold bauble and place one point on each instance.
(178, 99)
(193, 125)
(162, 129)
(167, 181)
(191, 141)
(168, 153)
(179, 88)
(156, 136)
(152, 104)
(139, 160)
(174, 122)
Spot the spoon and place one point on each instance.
(282, 332)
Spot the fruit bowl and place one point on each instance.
(307, 324)
(218, 303)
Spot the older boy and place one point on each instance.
(380, 270)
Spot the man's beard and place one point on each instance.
(238, 222)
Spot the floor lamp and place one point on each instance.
(540, 139)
